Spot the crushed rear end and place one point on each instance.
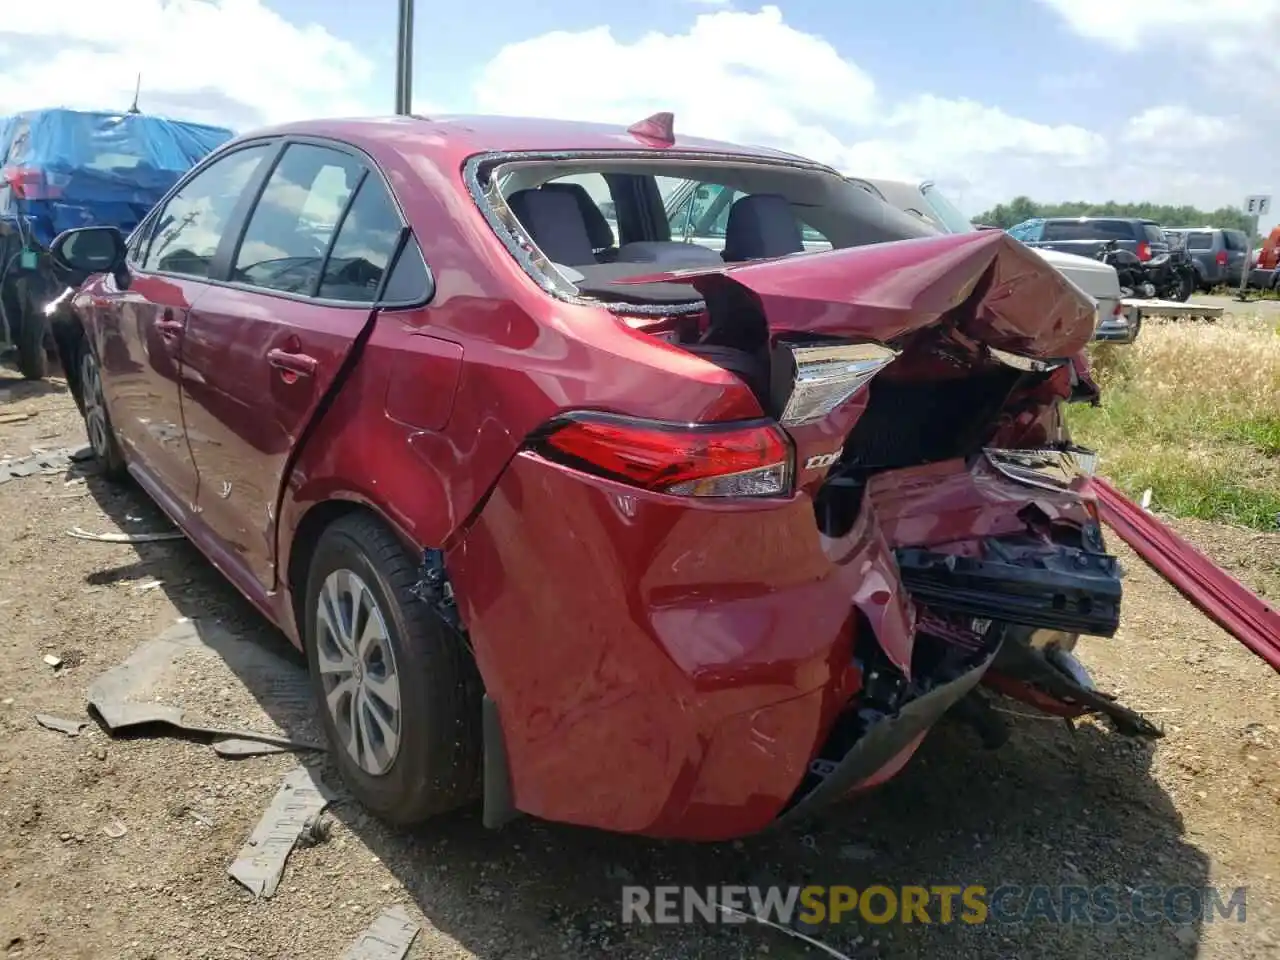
(705, 666)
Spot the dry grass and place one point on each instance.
(1192, 411)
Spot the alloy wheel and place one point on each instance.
(95, 408)
(358, 671)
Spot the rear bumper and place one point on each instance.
(1264, 279)
(671, 667)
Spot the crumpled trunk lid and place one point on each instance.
(1013, 300)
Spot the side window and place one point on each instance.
(365, 244)
(1028, 231)
(187, 232)
(1235, 240)
(284, 245)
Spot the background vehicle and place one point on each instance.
(565, 513)
(66, 168)
(1097, 279)
(1219, 255)
(1088, 236)
(1266, 269)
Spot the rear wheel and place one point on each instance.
(399, 693)
(1186, 287)
(93, 407)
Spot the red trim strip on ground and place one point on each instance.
(1222, 598)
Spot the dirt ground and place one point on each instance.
(1201, 807)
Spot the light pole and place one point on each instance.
(404, 59)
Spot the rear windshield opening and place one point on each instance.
(589, 224)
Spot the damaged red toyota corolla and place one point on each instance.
(679, 521)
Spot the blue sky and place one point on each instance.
(1056, 99)
(909, 47)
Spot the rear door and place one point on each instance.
(264, 347)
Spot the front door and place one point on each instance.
(140, 329)
(261, 351)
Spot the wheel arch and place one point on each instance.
(314, 520)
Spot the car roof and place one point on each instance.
(449, 140)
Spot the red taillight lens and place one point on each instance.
(1144, 250)
(28, 183)
(1221, 258)
(705, 460)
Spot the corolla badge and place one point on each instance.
(821, 460)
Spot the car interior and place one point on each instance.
(550, 205)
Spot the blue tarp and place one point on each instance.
(94, 168)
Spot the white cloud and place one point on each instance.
(232, 62)
(1219, 28)
(1179, 127)
(752, 78)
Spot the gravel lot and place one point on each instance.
(1051, 807)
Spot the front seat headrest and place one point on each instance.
(761, 225)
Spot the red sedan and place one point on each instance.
(580, 517)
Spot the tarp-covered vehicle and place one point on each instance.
(61, 169)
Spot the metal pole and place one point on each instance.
(1243, 293)
(404, 59)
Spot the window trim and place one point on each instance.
(238, 223)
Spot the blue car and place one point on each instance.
(68, 168)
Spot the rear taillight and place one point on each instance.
(28, 183)
(695, 460)
(818, 378)
(1221, 258)
(1144, 250)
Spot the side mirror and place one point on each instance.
(80, 253)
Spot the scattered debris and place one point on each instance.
(50, 462)
(124, 537)
(389, 937)
(15, 417)
(115, 829)
(72, 728)
(234, 748)
(116, 697)
(148, 585)
(315, 831)
(1145, 502)
(53, 661)
(829, 951)
(261, 861)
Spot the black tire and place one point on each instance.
(436, 766)
(102, 435)
(1186, 287)
(33, 359)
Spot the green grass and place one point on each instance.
(1192, 413)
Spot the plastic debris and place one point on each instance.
(115, 829)
(261, 862)
(389, 937)
(53, 661)
(124, 537)
(72, 728)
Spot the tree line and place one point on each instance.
(1005, 215)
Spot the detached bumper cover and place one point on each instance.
(886, 742)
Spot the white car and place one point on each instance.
(1096, 279)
